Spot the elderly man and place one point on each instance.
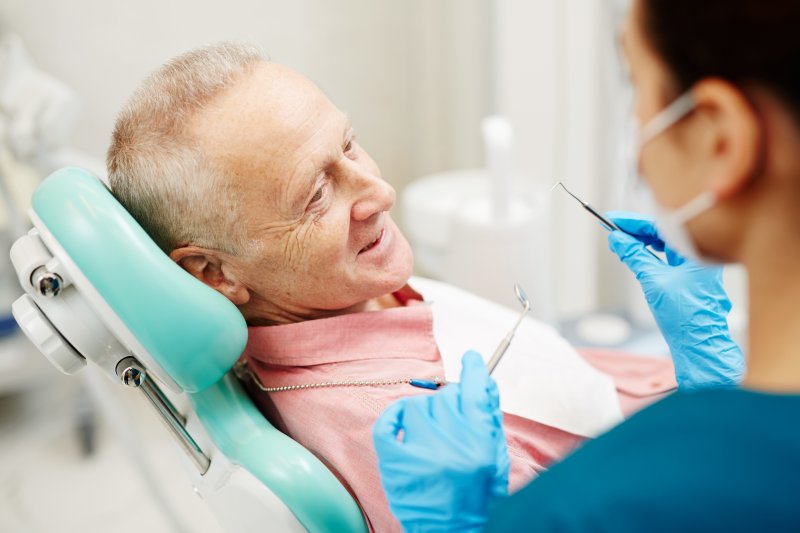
(251, 180)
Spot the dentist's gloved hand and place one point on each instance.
(451, 459)
(688, 302)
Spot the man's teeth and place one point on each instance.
(370, 245)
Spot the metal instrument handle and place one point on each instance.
(134, 375)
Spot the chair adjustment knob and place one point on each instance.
(44, 335)
(131, 372)
(48, 284)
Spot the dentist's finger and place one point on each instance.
(387, 427)
(642, 227)
(475, 380)
(633, 253)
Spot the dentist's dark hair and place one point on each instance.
(747, 42)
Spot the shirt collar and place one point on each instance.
(396, 333)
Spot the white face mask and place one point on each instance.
(671, 224)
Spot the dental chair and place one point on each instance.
(99, 291)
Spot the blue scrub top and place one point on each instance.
(712, 460)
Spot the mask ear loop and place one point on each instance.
(671, 114)
(674, 112)
(695, 207)
(638, 135)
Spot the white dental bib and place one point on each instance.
(541, 376)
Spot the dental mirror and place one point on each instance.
(506, 342)
(522, 297)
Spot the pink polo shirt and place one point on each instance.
(336, 423)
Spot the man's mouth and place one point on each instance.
(374, 243)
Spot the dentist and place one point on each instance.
(718, 94)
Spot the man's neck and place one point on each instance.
(268, 316)
(387, 301)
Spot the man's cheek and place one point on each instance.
(297, 247)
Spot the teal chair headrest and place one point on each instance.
(194, 333)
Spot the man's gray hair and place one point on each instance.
(155, 167)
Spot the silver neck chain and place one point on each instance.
(243, 372)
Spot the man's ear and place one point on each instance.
(212, 268)
(737, 142)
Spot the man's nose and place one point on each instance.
(373, 195)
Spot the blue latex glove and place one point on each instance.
(688, 302)
(443, 457)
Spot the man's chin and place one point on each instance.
(399, 285)
(389, 282)
(393, 283)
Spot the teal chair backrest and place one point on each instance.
(193, 332)
(196, 335)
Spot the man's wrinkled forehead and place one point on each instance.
(269, 101)
(268, 124)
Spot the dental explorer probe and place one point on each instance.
(506, 342)
(609, 225)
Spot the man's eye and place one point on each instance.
(317, 195)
